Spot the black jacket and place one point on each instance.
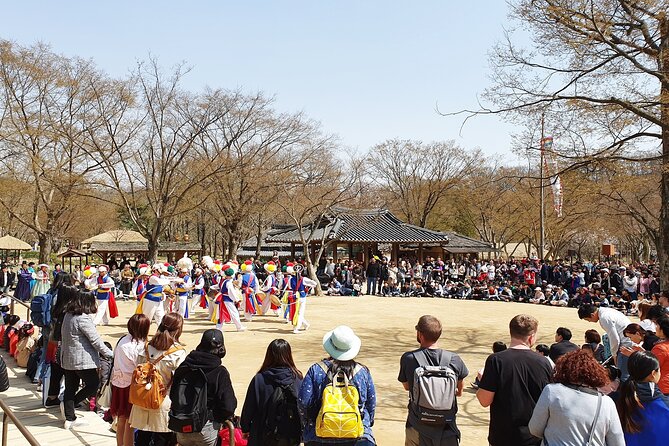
(372, 270)
(10, 279)
(258, 394)
(221, 398)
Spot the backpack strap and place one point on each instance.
(172, 349)
(444, 358)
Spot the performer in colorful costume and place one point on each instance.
(298, 303)
(42, 283)
(103, 287)
(183, 292)
(139, 286)
(249, 287)
(199, 295)
(227, 301)
(151, 301)
(270, 287)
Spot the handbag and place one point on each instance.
(104, 397)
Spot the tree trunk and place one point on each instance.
(45, 241)
(153, 249)
(663, 251)
(258, 241)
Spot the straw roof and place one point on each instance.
(13, 244)
(117, 235)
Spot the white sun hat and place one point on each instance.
(342, 343)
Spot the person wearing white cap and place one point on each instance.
(342, 346)
(183, 292)
(538, 297)
(199, 295)
(152, 301)
(42, 282)
(102, 285)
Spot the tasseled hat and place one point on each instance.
(270, 267)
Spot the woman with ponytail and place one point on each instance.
(643, 409)
(152, 424)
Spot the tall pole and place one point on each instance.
(541, 193)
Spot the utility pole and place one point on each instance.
(541, 193)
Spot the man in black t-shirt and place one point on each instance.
(511, 385)
(428, 331)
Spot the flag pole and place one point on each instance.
(541, 193)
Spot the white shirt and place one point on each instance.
(614, 323)
(125, 360)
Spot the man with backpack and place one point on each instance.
(434, 378)
(202, 395)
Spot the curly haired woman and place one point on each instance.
(572, 410)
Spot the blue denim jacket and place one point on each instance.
(309, 402)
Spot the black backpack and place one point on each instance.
(282, 420)
(189, 412)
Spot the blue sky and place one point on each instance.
(367, 70)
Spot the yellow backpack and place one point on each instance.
(339, 416)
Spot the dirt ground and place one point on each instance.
(386, 327)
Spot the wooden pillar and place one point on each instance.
(350, 251)
(396, 252)
(334, 252)
(365, 254)
(292, 250)
(420, 252)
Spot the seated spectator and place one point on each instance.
(497, 346)
(560, 298)
(544, 350)
(620, 304)
(562, 344)
(538, 297)
(27, 344)
(641, 339)
(593, 343)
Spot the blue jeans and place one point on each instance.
(371, 285)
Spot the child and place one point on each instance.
(11, 321)
(497, 347)
(26, 345)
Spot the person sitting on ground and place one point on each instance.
(545, 351)
(593, 343)
(562, 344)
(497, 346)
(538, 297)
(571, 410)
(27, 344)
(643, 409)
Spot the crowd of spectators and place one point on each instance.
(558, 282)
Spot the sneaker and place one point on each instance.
(296, 331)
(52, 402)
(242, 328)
(74, 424)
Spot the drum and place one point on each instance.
(275, 300)
(260, 295)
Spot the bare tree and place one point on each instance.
(151, 146)
(318, 184)
(598, 70)
(44, 111)
(417, 176)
